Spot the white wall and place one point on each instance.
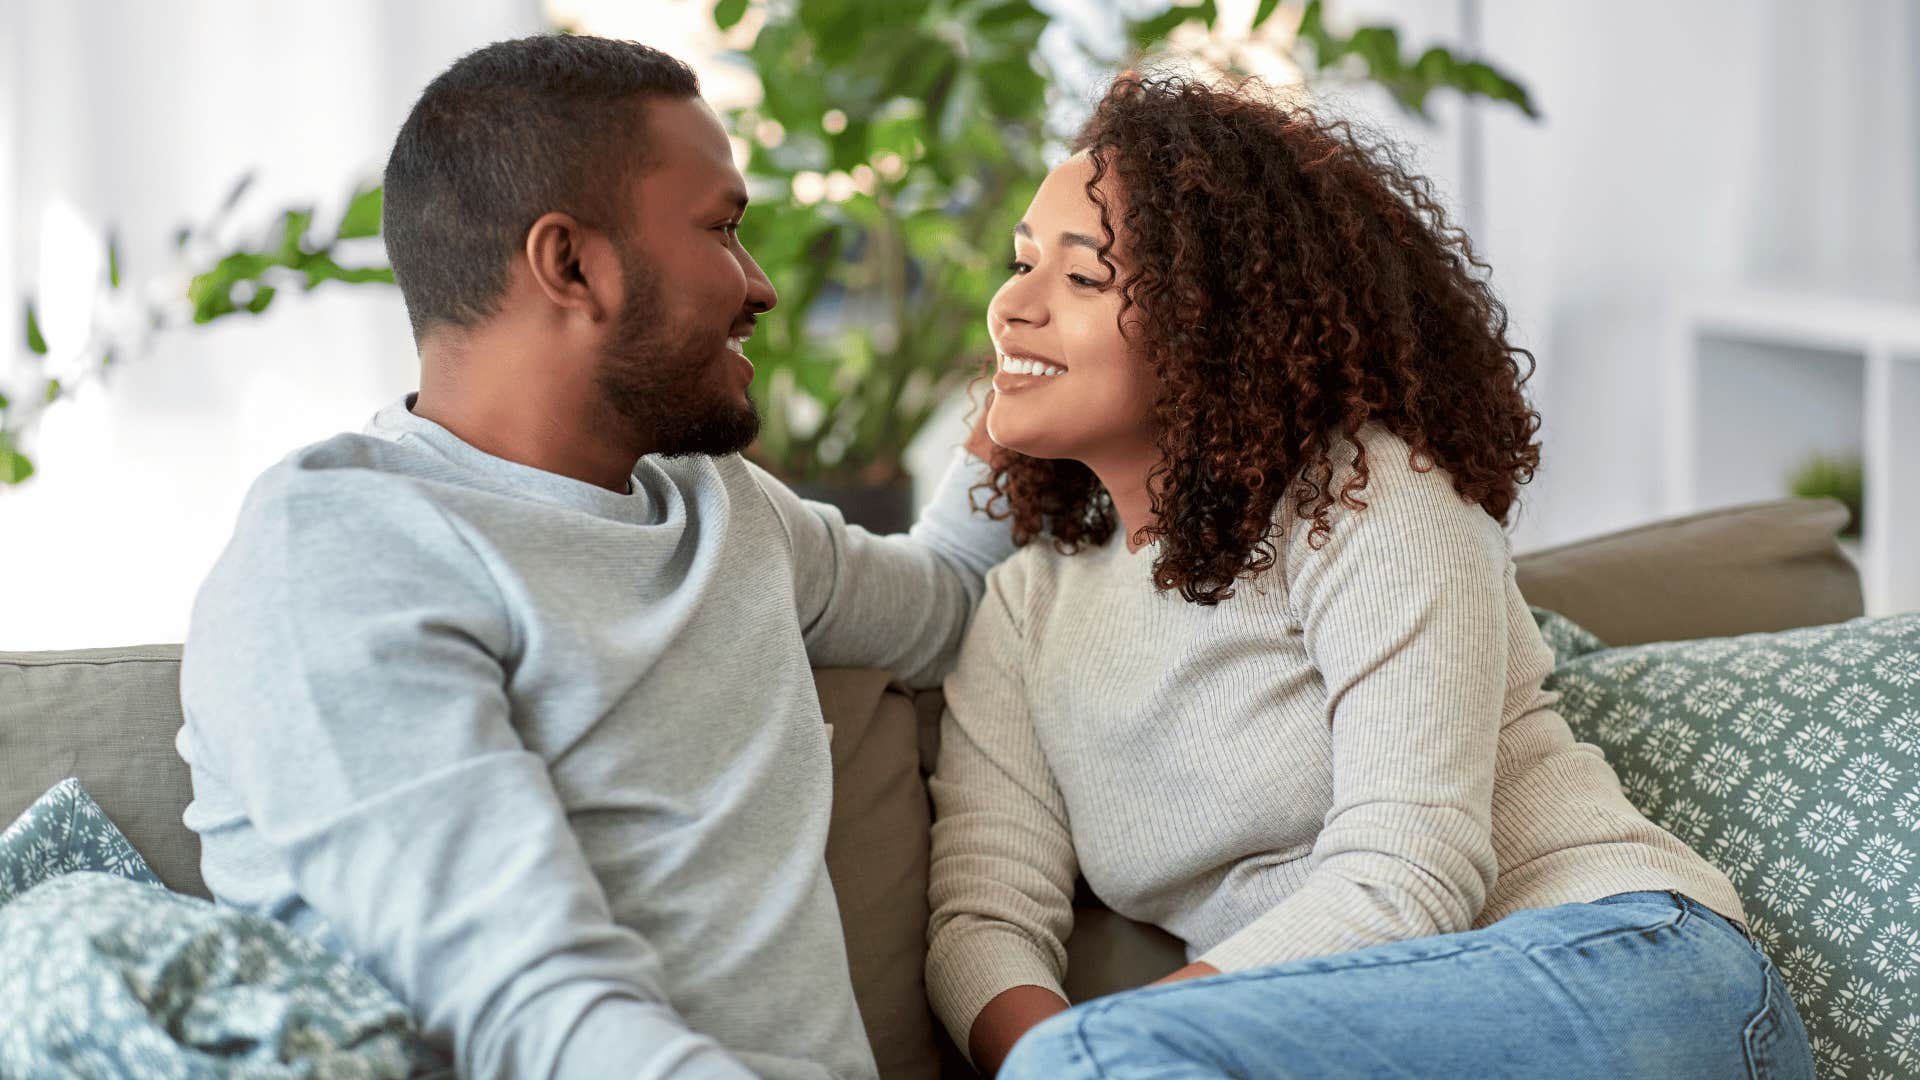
(1741, 144)
(141, 116)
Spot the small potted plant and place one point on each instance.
(1836, 477)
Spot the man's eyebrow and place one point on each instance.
(1073, 238)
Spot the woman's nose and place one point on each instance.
(1017, 302)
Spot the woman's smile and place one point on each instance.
(1015, 372)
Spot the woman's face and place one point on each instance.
(1067, 382)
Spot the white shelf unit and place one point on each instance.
(1761, 379)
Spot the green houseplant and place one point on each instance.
(895, 145)
(1841, 477)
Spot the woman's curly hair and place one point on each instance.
(1289, 282)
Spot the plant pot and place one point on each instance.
(883, 508)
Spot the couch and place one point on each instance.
(108, 717)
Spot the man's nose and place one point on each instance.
(761, 296)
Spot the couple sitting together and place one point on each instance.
(508, 696)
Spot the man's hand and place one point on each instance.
(979, 443)
(1199, 969)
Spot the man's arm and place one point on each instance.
(894, 602)
(344, 671)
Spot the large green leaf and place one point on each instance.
(1378, 48)
(1148, 33)
(726, 13)
(14, 465)
(362, 216)
(36, 344)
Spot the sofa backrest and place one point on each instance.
(107, 717)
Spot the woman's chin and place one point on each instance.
(1021, 443)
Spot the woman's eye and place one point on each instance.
(1083, 281)
(1018, 267)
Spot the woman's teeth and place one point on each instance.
(1020, 365)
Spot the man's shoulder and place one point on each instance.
(346, 488)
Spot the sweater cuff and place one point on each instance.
(1255, 945)
(969, 968)
(950, 523)
(621, 1036)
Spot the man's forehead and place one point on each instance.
(688, 148)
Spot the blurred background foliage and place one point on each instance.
(895, 145)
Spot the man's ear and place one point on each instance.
(574, 266)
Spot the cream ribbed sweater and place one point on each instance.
(1355, 749)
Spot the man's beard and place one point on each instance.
(662, 384)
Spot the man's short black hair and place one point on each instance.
(510, 132)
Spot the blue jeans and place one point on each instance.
(1642, 984)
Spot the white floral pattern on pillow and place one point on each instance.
(64, 831)
(1792, 762)
(105, 977)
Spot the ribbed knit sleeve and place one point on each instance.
(1403, 612)
(1003, 867)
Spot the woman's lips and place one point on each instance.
(1017, 371)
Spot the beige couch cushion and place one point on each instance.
(107, 717)
(1739, 570)
(877, 850)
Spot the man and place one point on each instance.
(509, 696)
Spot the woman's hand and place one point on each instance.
(1011, 1014)
(1199, 969)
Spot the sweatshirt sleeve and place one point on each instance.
(346, 670)
(895, 602)
(1403, 613)
(1003, 867)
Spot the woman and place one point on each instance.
(1261, 673)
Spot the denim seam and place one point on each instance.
(1760, 1029)
(1686, 904)
(1599, 936)
(1271, 971)
(1082, 1047)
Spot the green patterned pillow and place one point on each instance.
(62, 832)
(105, 977)
(1792, 762)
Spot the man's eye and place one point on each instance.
(731, 228)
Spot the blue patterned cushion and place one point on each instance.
(62, 832)
(105, 977)
(1792, 762)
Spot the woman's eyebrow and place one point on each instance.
(1074, 238)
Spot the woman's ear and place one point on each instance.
(574, 266)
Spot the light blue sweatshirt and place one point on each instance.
(547, 759)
